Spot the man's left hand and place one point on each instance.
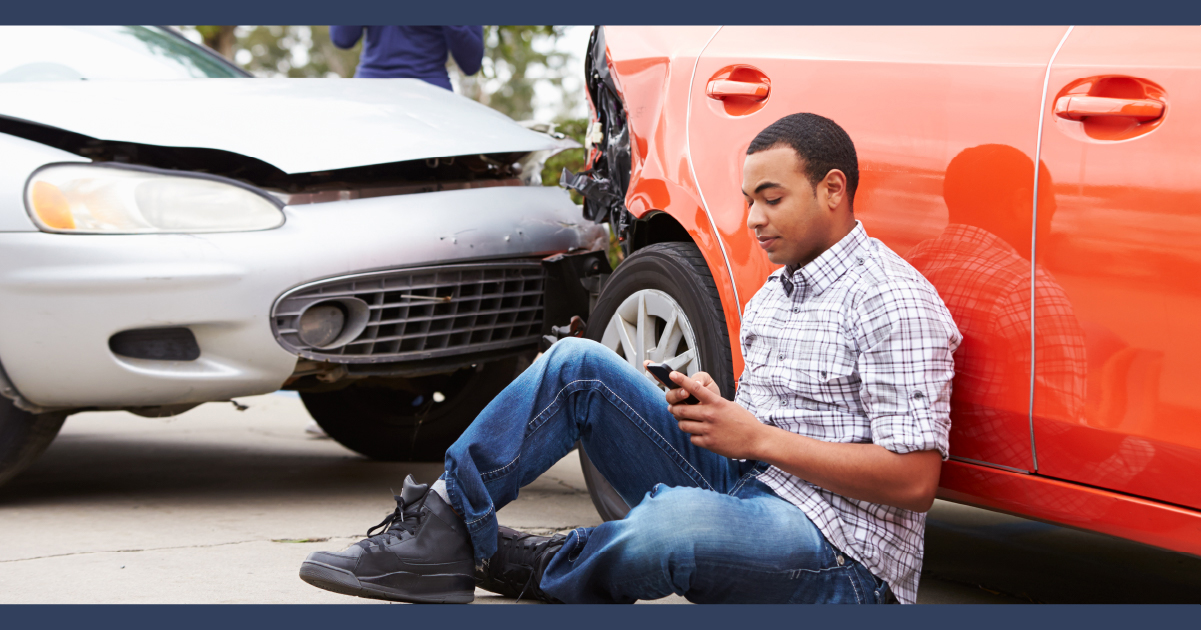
(717, 424)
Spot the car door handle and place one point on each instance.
(1078, 107)
(721, 89)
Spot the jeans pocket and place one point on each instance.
(834, 585)
(876, 590)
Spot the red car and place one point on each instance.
(1045, 179)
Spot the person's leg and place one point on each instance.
(710, 547)
(579, 390)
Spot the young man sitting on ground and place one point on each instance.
(811, 486)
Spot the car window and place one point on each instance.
(72, 53)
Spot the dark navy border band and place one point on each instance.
(664, 617)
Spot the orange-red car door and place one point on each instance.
(945, 122)
(1117, 400)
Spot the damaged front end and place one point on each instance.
(427, 174)
(604, 183)
(305, 141)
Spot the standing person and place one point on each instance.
(810, 486)
(413, 52)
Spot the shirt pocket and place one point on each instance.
(828, 369)
(825, 372)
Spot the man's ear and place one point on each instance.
(835, 187)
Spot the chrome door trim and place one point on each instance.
(1038, 151)
(692, 171)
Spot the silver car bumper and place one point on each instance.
(64, 296)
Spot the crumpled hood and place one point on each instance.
(296, 125)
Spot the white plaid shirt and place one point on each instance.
(858, 350)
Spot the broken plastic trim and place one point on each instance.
(604, 184)
(595, 189)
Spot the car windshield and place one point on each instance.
(66, 53)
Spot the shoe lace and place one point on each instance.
(403, 520)
(526, 554)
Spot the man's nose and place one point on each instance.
(755, 218)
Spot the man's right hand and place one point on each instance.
(676, 396)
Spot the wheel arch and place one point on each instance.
(666, 213)
(657, 226)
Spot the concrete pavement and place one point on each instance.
(221, 506)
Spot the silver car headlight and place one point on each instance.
(117, 199)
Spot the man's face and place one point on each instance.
(791, 220)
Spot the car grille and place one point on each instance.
(425, 312)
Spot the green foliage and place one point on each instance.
(294, 52)
(512, 63)
(209, 33)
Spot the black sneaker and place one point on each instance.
(517, 567)
(423, 556)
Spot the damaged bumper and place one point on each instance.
(67, 296)
(604, 183)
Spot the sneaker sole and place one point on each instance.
(426, 589)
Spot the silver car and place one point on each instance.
(166, 241)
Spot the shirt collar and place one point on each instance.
(831, 264)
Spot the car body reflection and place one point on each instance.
(981, 267)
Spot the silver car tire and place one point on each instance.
(23, 437)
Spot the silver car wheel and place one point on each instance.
(649, 324)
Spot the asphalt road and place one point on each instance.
(221, 506)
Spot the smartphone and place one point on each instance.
(662, 371)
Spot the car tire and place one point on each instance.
(403, 420)
(23, 437)
(667, 277)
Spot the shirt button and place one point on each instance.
(796, 310)
(859, 262)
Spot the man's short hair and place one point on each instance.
(820, 143)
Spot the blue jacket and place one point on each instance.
(417, 52)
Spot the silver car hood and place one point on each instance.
(296, 125)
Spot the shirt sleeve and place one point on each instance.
(906, 339)
(466, 45)
(345, 36)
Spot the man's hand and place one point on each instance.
(676, 396)
(715, 423)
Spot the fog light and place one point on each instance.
(321, 324)
(332, 322)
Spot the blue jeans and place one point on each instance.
(702, 525)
